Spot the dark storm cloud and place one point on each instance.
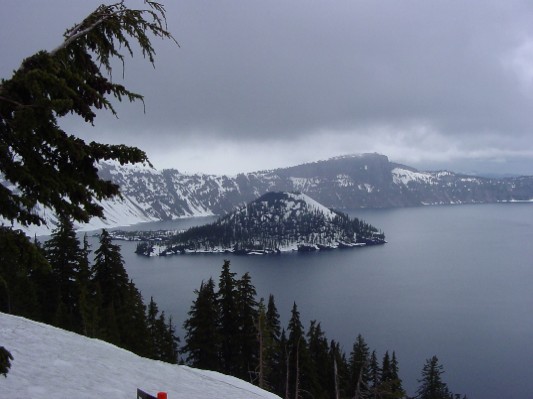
(414, 79)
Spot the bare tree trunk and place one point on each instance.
(297, 376)
(336, 377)
(261, 360)
(287, 357)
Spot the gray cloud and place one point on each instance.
(423, 82)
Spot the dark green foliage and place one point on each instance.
(301, 376)
(46, 164)
(202, 334)
(26, 282)
(229, 319)
(121, 301)
(390, 385)
(274, 350)
(374, 376)
(321, 364)
(360, 369)
(5, 361)
(161, 336)
(431, 384)
(63, 289)
(246, 306)
(66, 257)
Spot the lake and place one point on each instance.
(452, 281)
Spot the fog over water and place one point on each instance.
(452, 281)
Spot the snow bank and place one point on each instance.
(53, 363)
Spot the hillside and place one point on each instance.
(275, 222)
(53, 363)
(344, 183)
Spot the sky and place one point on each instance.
(257, 85)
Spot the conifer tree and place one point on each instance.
(87, 294)
(123, 310)
(162, 340)
(340, 375)
(47, 165)
(275, 370)
(359, 368)
(202, 347)
(374, 377)
(396, 387)
(246, 306)
(299, 360)
(229, 323)
(26, 282)
(262, 340)
(5, 361)
(170, 342)
(152, 313)
(431, 384)
(321, 367)
(65, 256)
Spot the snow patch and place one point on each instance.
(53, 363)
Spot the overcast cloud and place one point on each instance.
(263, 84)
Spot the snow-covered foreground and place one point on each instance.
(53, 363)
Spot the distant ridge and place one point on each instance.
(344, 183)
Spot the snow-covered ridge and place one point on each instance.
(344, 183)
(311, 204)
(53, 363)
(405, 176)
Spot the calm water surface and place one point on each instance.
(453, 281)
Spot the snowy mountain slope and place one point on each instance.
(53, 363)
(344, 183)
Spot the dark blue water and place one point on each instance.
(453, 281)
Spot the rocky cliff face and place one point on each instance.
(344, 183)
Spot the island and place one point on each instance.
(274, 223)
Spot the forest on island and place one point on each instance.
(268, 224)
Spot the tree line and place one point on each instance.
(230, 331)
(227, 329)
(56, 283)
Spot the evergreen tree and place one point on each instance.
(5, 361)
(46, 164)
(263, 336)
(340, 374)
(431, 384)
(246, 306)
(396, 387)
(300, 375)
(161, 336)
(87, 293)
(321, 367)
(124, 317)
(229, 322)
(274, 349)
(202, 334)
(26, 282)
(374, 376)
(153, 327)
(170, 343)
(359, 369)
(65, 256)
